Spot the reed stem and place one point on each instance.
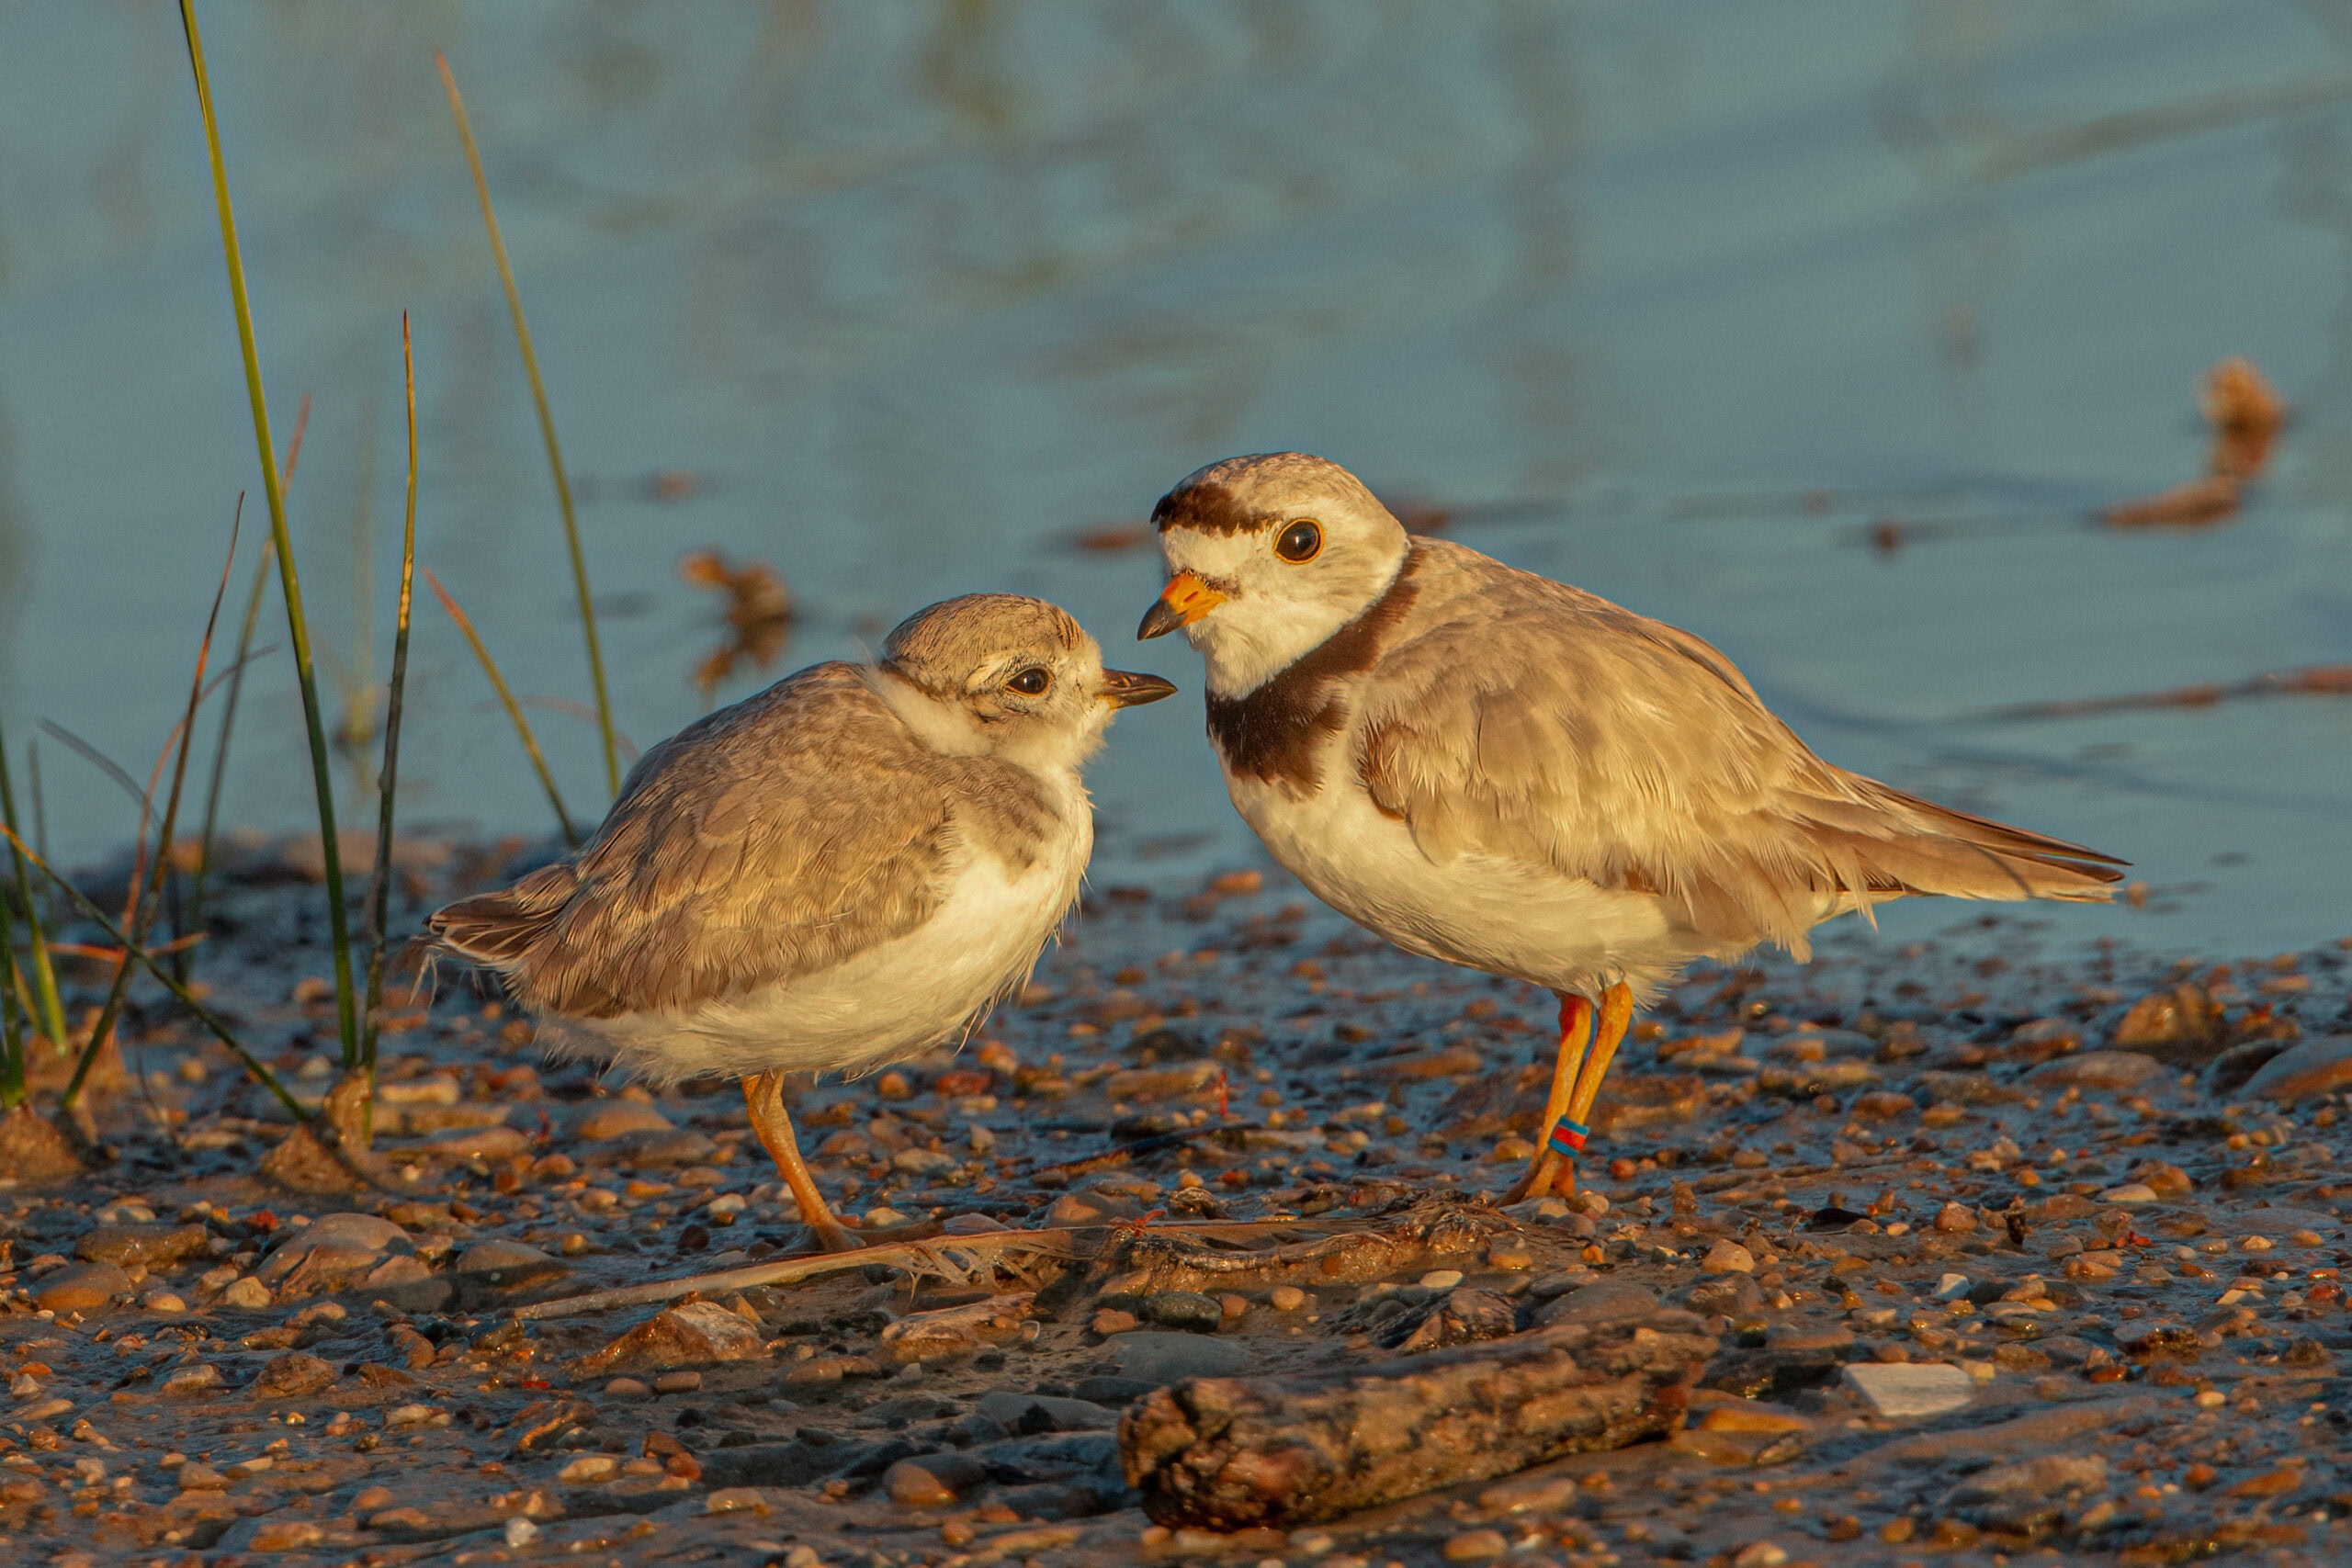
(380, 885)
(513, 708)
(52, 1004)
(546, 426)
(289, 582)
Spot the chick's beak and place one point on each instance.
(1126, 688)
(1185, 600)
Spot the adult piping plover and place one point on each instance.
(852, 865)
(1504, 772)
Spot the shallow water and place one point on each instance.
(1672, 304)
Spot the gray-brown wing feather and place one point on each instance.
(1521, 717)
(771, 839)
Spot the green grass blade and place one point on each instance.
(187, 999)
(289, 582)
(52, 1004)
(546, 426)
(379, 884)
(146, 884)
(11, 1035)
(513, 708)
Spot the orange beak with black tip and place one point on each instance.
(1185, 600)
(1129, 688)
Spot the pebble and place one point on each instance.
(87, 1287)
(1440, 1278)
(1601, 1301)
(1727, 1256)
(247, 1294)
(1286, 1298)
(1901, 1390)
(933, 1481)
(698, 1331)
(1955, 1218)
(605, 1119)
(2100, 1069)
(1475, 1546)
(2130, 1193)
(1187, 1310)
(146, 1247)
(2303, 1072)
(509, 1262)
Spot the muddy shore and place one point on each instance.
(2001, 1255)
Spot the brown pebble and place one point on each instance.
(626, 1388)
(1286, 1298)
(1111, 1320)
(85, 1287)
(371, 1499)
(1475, 1546)
(1955, 1217)
(677, 1383)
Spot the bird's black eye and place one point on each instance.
(1033, 681)
(1301, 542)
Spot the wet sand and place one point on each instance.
(2097, 1192)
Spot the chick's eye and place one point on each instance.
(1032, 681)
(1302, 541)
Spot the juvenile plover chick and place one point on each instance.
(854, 864)
(1491, 768)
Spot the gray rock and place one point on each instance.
(1159, 1358)
(1902, 1390)
(150, 1246)
(2100, 1069)
(332, 1252)
(1603, 1301)
(1184, 1309)
(509, 1262)
(2304, 1071)
(2043, 1475)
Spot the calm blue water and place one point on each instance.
(1670, 300)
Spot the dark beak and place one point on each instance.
(1185, 600)
(1126, 689)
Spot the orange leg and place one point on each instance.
(1616, 1018)
(763, 1095)
(1576, 1034)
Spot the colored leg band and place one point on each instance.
(1567, 1137)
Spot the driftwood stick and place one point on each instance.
(1235, 1453)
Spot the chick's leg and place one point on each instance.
(1576, 1034)
(763, 1095)
(1616, 1018)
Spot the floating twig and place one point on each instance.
(2309, 680)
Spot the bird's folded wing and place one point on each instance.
(1525, 719)
(772, 839)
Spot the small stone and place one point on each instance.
(520, 1531)
(1440, 1278)
(163, 1302)
(923, 1162)
(138, 1245)
(677, 1383)
(509, 1262)
(626, 1388)
(87, 1287)
(193, 1383)
(294, 1374)
(247, 1294)
(2044, 1475)
(588, 1470)
(933, 1481)
(1286, 1298)
(696, 1331)
(1760, 1554)
(1951, 1287)
(1902, 1390)
(2303, 1072)
(1188, 1309)
(1111, 1320)
(2100, 1069)
(492, 1142)
(1475, 1546)
(2130, 1193)
(2182, 1016)
(1727, 1256)
(1603, 1301)
(195, 1477)
(1955, 1218)
(2165, 1181)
